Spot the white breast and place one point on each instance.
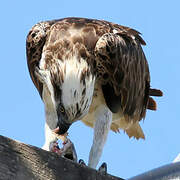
(77, 94)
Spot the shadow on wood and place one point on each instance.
(19, 161)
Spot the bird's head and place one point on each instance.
(73, 104)
(73, 96)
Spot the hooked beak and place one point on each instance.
(62, 126)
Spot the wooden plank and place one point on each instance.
(19, 161)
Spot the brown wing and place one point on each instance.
(123, 71)
(35, 41)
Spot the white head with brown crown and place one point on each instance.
(71, 85)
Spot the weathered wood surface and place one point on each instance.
(19, 161)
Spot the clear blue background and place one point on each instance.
(21, 109)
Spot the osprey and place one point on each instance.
(90, 70)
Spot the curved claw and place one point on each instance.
(103, 169)
(82, 162)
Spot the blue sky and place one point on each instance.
(21, 109)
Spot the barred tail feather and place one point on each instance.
(152, 104)
(155, 92)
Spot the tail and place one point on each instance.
(135, 131)
(151, 102)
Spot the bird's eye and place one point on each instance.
(62, 109)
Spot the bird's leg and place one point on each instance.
(102, 125)
(50, 138)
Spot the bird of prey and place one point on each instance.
(90, 70)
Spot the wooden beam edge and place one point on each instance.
(19, 161)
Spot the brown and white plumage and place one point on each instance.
(91, 70)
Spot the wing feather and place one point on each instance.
(121, 60)
(35, 41)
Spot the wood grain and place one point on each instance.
(19, 161)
